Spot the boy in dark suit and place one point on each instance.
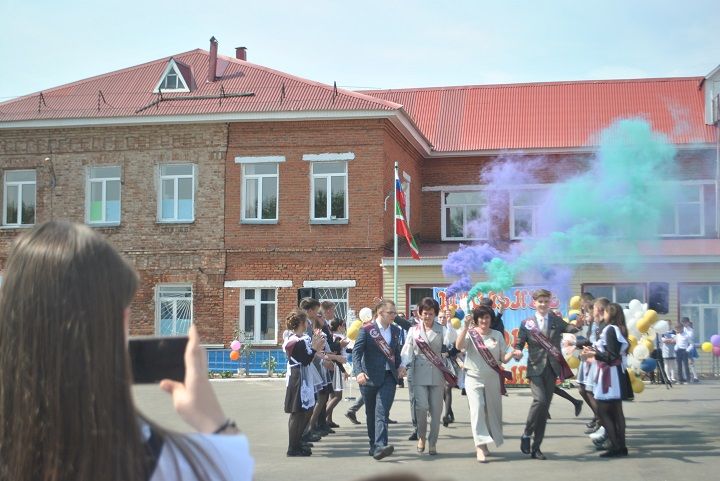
(376, 366)
(541, 333)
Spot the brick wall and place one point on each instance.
(181, 253)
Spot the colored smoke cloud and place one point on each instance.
(618, 201)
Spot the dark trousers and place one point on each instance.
(683, 366)
(378, 401)
(542, 388)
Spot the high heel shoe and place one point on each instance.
(421, 446)
(432, 450)
(480, 455)
(445, 421)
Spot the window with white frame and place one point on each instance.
(172, 79)
(338, 295)
(260, 192)
(524, 213)
(174, 309)
(19, 197)
(329, 188)
(463, 215)
(259, 315)
(103, 195)
(701, 304)
(177, 193)
(619, 293)
(685, 218)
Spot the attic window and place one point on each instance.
(172, 79)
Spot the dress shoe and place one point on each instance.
(451, 416)
(351, 416)
(311, 437)
(333, 425)
(611, 453)
(537, 454)
(383, 452)
(432, 450)
(525, 444)
(413, 436)
(391, 421)
(578, 408)
(445, 421)
(298, 452)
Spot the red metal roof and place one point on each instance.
(128, 90)
(551, 115)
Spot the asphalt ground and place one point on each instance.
(672, 434)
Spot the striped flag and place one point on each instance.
(400, 222)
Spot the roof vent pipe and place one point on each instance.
(241, 53)
(212, 67)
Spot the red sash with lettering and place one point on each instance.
(375, 335)
(487, 356)
(435, 360)
(545, 343)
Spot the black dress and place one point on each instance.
(300, 356)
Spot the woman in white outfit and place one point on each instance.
(483, 382)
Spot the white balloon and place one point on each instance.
(661, 327)
(641, 351)
(635, 306)
(633, 362)
(627, 313)
(365, 314)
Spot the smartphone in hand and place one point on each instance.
(153, 359)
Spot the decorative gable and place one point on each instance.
(175, 78)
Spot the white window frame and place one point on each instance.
(676, 213)
(20, 185)
(175, 177)
(533, 208)
(257, 303)
(615, 285)
(159, 298)
(172, 65)
(103, 181)
(443, 215)
(259, 178)
(699, 322)
(314, 159)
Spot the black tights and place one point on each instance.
(613, 420)
(589, 399)
(296, 425)
(447, 396)
(565, 395)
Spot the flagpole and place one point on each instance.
(395, 237)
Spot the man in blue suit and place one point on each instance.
(376, 366)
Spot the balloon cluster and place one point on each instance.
(235, 347)
(456, 317)
(712, 346)
(364, 315)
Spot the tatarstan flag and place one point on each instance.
(400, 222)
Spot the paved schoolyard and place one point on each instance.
(672, 435)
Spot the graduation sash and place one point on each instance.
(375, 335)
(435, 360)
(545, 343)
(487, 356)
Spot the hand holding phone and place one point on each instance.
(156, 358)
(194, 399)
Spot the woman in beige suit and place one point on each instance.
(482, 382)
(428, 383)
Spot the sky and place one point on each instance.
(365, 45)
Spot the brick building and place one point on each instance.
(232, 186)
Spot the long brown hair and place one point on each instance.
(66, 410)
(617, 317)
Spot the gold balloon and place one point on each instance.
(455, 323)
(354, 329)
(707, 346)
(649, 344)
(575, 302)
(631, 375)
(633, 342)
(638, 386)
(573, 362)
(645, 322)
